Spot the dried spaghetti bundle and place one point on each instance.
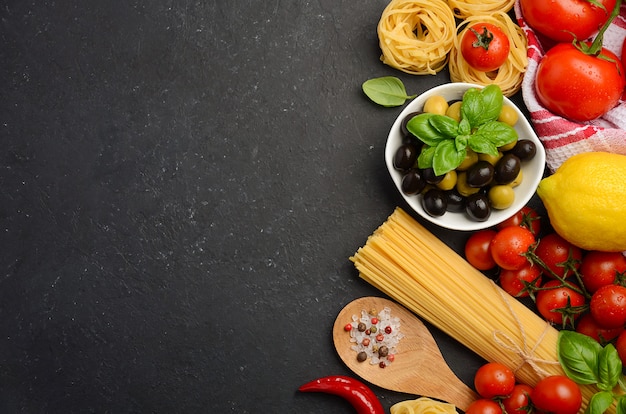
(411, 265)
(415, 36)
(465, 8)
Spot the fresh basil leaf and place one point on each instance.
(491, 96)
(482, 105)
(425, 159)
(621, 405)
(464, 127)
(471, 107)
(599, 402)
(481, 143)
(609, 368)
(446, 126)
(423, 129)
(578, 355)
(386, 91)
(497, 132)
(446, 157)
(461, 142)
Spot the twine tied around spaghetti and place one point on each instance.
(525, 352)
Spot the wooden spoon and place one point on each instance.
(418, 368)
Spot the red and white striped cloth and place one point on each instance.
(563, 138)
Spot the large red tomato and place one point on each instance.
(578, 86)
(560, 20)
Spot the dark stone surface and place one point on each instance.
(181, 185)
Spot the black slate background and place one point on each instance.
(181, 185)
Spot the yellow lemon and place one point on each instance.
(586, 201)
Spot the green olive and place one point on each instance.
(518, 180)
(508, 147)
(508, 115)
(501, 196)
(470, 158)
(454, 111)
(462, 187)
(436, 104)
(490, 158)
(448, 182)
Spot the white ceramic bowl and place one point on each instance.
(532, 170)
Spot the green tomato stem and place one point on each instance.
(596, 45)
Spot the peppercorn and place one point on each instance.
(361, 327)
(361, 356)
(383, 351)
(373, 329)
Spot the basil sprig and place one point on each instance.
(446, 140)
(587, 362)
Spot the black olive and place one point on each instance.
(430, 177)
(456, 202)
(524, 150)
(405, 157)
(477, 207)
(434, 202)
(507, 169)
(413, 182)
(480, 174)
(403, 130)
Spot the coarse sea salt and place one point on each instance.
(386, 333)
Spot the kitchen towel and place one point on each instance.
(563, 138)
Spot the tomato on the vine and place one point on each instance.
(559, 304)
(519, 400)
(579, 86)
(494, 380)
(608, 306)
(509, 246)
(557, 394)
(526, 217)
(601, 268)
(620, 345)
(484, 406)
(587, 325)
(624, 53)
(477, 251)
(554, 251)
(485, 46)
(514, 282)
(561, 20)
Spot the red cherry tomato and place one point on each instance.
(620, 345)
(557, 394)
(554, 251)
(601, 268)
(555, 302)
(587, 325)
(578, 86)
(526, 217)
(509, 245)
(560, 20)
(484, 406)
(512, 281)
(519, 400)
(494, 380)
(608, 306)
(477, 251)
(485, 47)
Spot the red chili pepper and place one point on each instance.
(354, 391)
